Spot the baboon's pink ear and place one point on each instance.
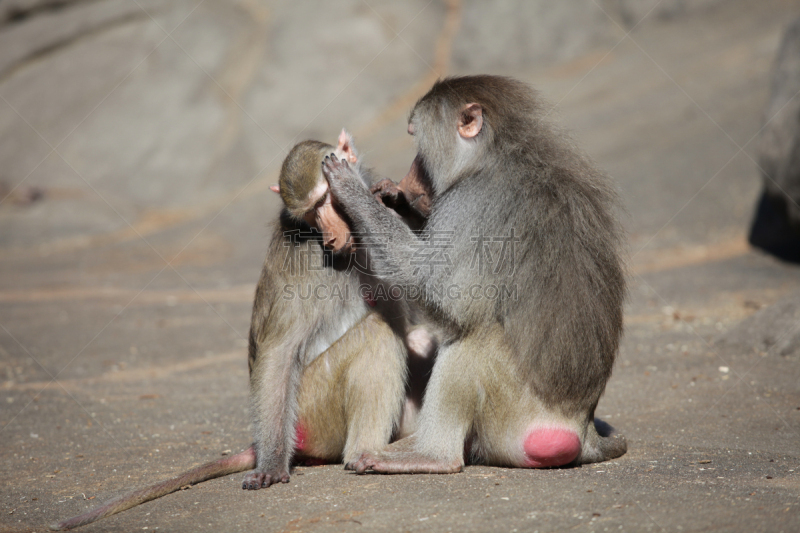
(275, 188)
(470, 121)
(346, 147)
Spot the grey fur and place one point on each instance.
(518, 178)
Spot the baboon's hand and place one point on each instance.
(255, 480)
(386, 192)
(342, 179)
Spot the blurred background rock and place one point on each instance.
(144, 113)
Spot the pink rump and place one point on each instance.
(300, 438)
(551, 447)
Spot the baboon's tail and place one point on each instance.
(240, 462)
(602, 443)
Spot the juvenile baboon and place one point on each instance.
(315, 350)
(289, 331)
